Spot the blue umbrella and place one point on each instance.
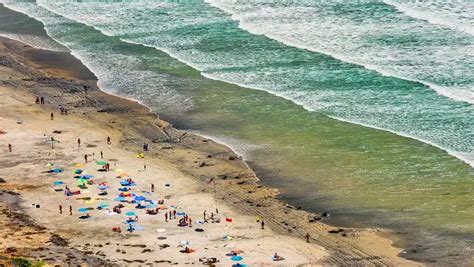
(103, 206)
(83, 210)
(78, 171)
(87, 176)
(57, 170)
(239, 265)
(140, 198)
(102, 187)
(58, 182)
(119, 199)
(130, 213)
(123, 189)
(236, 258)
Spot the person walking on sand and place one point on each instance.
(42, 100)
(85, 158)
(307, 237)
(70, 210)
(174, 214)
(108, 140)
(166, 216)
(152, 188)
(60, 209)
(78, 142)
(190, 222)
(37, 100)
(262, 224)
(52, 116)
(10, 149)
(101, 154)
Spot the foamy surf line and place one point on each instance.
(463, 96)
(76, 54)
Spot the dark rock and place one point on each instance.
(326, 214)
(58, 241)
(2, 180)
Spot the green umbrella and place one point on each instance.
(81, 181)
(101, 162)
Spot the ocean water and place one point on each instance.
(320, 70)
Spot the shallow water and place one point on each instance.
(362, 175)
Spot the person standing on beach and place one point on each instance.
(42, 100)
(262, 224)
(70, 210)
(166, 216)
(85, 89)
(52, 116)
(152, 188)
(108, 140)
(307, 237)
(37, 100)
(60, 209)
(85, 158)
(174, 214)
(10, 148)
(78, 142)
(101, 154)
(204, 217)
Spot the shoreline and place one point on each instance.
(268, 196)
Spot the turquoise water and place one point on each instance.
(402, 76)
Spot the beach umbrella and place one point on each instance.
(130, 213)
(58, 182)
(81, 181)
(87, 176)
(101, 162)
(124, 189)
(83, 210)
(140, 198)
(161, 230)
(236, 258)
(103, 205)
(227, 237)
(103, 187)
(180, 213)
(119, 199)
(57, 170)
(239, 265)
(78, 171)
(183, 243)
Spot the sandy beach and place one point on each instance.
(190, 175)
